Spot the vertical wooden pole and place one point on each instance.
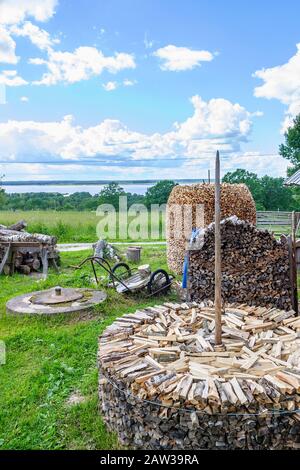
(208, 171)
(293, 259)
(293, 227)
(218, 273)
(293, 274)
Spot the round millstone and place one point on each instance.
(56, 295)
(55, 301)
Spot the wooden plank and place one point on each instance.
(5, 257)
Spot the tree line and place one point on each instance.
(269, 194)
(83, 201)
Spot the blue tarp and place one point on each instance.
(185, 274)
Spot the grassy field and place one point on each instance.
(76, 227)
(67, 226)
(49, 359)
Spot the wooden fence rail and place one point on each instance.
(283, 222)
(279, 220)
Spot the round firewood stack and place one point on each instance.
(164, 385)
(236, 199)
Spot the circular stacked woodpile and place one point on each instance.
(163, 384)
(236, 199)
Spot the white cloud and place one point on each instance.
(110, 86)
(217, 117)
(82, 64)
(262, 164)
(11, 78)
(216, 124)
(113, 85)
(24, 99)
(15, 11)
(181, 58)
(282, 83)
(39, 37)
(7, 48)
(12, 13)
(61, 66)
(27, 137)
(128, 82)
(19, 171)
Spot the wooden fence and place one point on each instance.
(278, 221)
(282, 223)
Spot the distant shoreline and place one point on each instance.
(93, 182)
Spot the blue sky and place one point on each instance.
(133, 89)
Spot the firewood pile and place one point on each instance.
(164, 385)
(255, 265)
(25, 252)
(193, 206)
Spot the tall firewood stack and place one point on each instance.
(26, 258)
(197, 204)
(255, 266)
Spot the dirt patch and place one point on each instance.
(75, 399)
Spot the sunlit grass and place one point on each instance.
(50, 358)
(67, 226)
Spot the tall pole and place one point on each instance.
(218, 274)
(294, 228)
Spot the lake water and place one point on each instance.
(138, 188)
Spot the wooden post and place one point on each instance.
(218, 273)
(293, 274)
(294, 264)
(294, 227)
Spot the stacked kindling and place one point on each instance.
(255, 266)
(193, 206)
(26, 258)
(164, 385)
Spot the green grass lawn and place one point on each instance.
(49, 359)
(67, 226)
(78, 226)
